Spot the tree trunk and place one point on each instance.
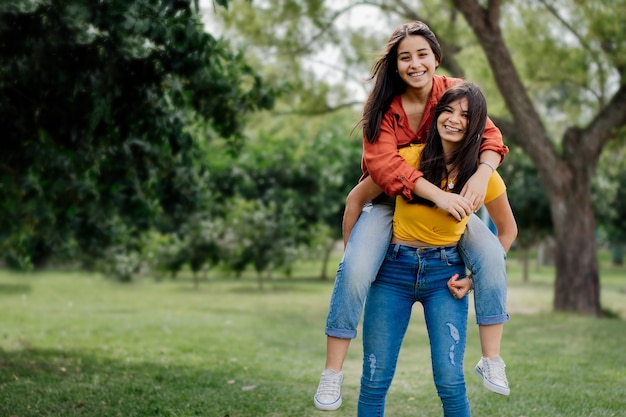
(577, 286)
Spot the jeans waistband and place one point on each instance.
(429, 250)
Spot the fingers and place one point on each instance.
(459, 288)
(476, 199)
(464, 211)
(459, 292)
(460, 209)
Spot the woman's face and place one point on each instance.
(452, 123)
(416, 62)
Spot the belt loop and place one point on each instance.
(395, 250)
(444, 256)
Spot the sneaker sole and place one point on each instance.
(492, 387)
(327, 407)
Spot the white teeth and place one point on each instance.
(417, 74)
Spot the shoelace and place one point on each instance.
(329, 385)
(495, 372)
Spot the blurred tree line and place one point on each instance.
(124, 143)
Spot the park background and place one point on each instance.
(172, 178)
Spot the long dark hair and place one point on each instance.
(388, 83)
(464, 159)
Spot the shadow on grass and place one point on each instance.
(73, 383)
(13, 289)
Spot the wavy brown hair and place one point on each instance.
(388, 83)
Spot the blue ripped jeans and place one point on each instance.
(409, 275)
(480, 250)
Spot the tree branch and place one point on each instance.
(602, 128)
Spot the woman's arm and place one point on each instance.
(475, 188)
(492, 152)
(363, 192)
(502, 216)
(383, 163)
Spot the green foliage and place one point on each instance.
(96, 100)
(610, 201)
(163, 254)
(606, 29)
(577, 72)
(259, 234)
(283, 187)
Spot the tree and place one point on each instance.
(557, 67)
(258, 234)
(97, 101)
(568, 173)
(302, 174)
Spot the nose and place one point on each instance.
(454, 116)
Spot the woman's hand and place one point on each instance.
(456, 205)
(475, 188)
(459, 287)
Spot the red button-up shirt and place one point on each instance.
(381, 159)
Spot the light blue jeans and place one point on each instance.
(410, 275)
(479, 247)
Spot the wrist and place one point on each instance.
(487, 164)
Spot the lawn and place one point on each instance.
(78, 344)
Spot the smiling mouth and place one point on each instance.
(417, 74)
(451, 129)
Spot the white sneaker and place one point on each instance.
(491, 370)
(328, 395)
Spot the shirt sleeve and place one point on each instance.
(492, 140)
(495, 188)
(386, 167)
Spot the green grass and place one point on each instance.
(76, 344)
